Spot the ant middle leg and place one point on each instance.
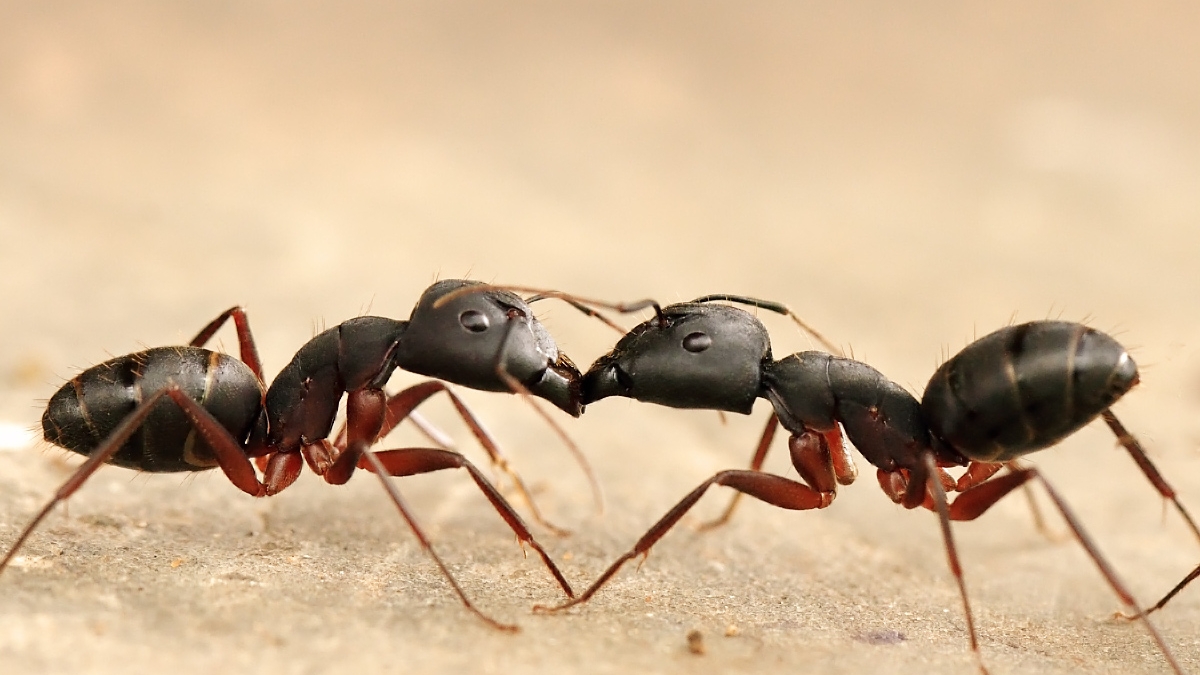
(832, 453)
(413, 461)
(365, 414)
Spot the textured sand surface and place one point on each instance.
(905, 178)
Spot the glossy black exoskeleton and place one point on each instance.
(175, 409)
(1018, 390)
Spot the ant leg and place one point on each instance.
(246, 344)
(1132, 445)
(400, 406)
(832, 458)
(772, 489)
(413, 461)
(939, 499)
(233, 462)
(516, 387)
(435, 435)
(756, 462)
(1114, 581)
(365, 412)
(974, 502)
(1166, 598)
(230, 455)
(373, 462)
(1039, 521)
(95, 460)
(978, 472)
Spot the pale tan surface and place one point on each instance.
(904, 178)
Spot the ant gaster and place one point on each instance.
(173, 409)
(1015, 391)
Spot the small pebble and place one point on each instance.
(695, 643)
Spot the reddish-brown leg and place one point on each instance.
(401, 405)
(756, 462)
(413, 461)
(938, 492)
(233, 462)
(907, 487)
(435, 435)
(1156, 479)
(515, 386)
(1173, 592)
(772, 489)
(365, 414)
(978, 472)
(246, 344)
(843, 463)
(372, 462)
(976, 501)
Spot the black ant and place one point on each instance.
(173, 409)
(1018, 390)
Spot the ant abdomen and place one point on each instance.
(1024, 388)
(85, 410)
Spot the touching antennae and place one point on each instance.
(578, 302)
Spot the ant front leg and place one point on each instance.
(831, 453)
(414, 461)
(515, 386)
(401, 406)
(772, 489)
(365, 413)
(756, 462)
(393, 419)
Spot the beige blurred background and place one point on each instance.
(906, 177)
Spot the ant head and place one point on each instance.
(480, 339)
(692, 355)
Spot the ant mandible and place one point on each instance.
(1021, 389)
(143, 411)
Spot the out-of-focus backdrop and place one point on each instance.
(906, 176)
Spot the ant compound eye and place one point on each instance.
(473, 320)
(697, 342)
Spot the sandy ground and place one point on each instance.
(905, 178)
